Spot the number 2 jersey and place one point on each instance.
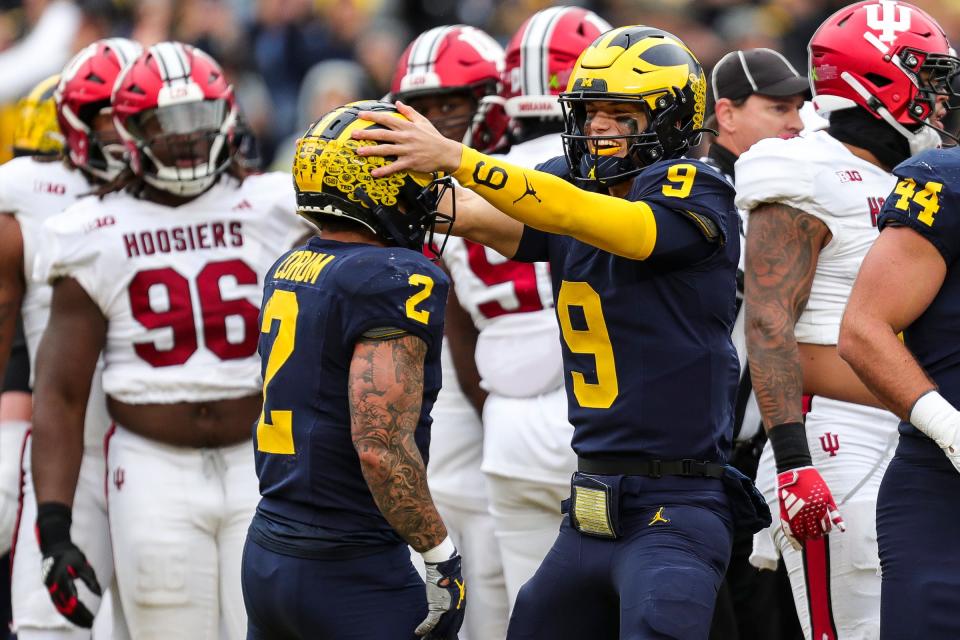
(179, 286)
(927, 200)
(650, 368)
(318, 302)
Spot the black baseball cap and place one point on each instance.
(762, 71)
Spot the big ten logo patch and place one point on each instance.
(99, 223)
(830, 442)
(52, 188)
(849, 175)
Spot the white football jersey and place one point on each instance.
(33, 191)
(518, 351)
(180, 287)
(818, 175)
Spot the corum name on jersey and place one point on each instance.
(207, 235)
(302, 266)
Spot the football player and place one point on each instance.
(758, 95)
(813, 203)
(37, 135)
(527, 457)
(351, 332)
(908, 283)
(450, 72)
(163, 274)
(643, 260)
(32, 190)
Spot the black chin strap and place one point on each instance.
(861, 129)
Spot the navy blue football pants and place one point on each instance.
(367, 598)
(659, 580)
(918, 534)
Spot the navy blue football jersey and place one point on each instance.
(650, 368)
(319, 300)
(926, 199)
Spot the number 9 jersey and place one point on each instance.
(318, 302)
(650, 367)
(178, 286)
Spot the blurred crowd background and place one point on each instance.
(292, 60)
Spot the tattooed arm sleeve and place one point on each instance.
(386, 392)
(783, 244)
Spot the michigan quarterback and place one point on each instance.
(643, 257)
(352, 325)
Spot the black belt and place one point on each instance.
(650, 468)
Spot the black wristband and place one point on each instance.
(53, 525)
(790, 448)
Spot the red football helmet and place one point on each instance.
(885, 56)
(541, 55)
(450, 59)
(82, 93)
(176, 114)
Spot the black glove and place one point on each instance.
(63, 563)
(446, 600)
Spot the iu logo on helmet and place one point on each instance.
(888, 18)
(830, 443)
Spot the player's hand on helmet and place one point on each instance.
(937, 418)
(64, 564)
(416, 143)
(807, 508)
(446, 599)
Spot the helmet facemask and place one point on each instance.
(934, 75)
(661, 139)
(411, 223)
(184, 147)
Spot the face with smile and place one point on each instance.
(613, 119)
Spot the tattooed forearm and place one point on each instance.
(386, 393)
(783, 245)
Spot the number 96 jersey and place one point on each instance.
(318, 302)
(179, 286)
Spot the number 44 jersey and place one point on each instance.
(180, 287)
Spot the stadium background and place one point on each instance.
(292, 60)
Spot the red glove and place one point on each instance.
(807, 508)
